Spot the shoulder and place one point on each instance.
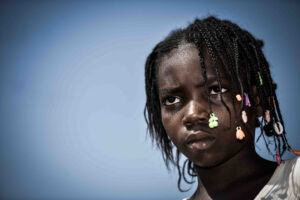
(285, 181)
(291, 170)
(290, 177)
(294, 175)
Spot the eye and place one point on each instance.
(171, 100)
(216, 90)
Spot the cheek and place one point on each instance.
(226, 118)
(172, 127)
(167, 123)
(229, 118)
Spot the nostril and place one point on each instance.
(193, 119)
(195, 113)
(188, 124)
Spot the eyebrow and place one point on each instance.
(170, 90)
(177, 88)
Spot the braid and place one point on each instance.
(196, 38)
(209, 42)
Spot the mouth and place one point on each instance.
(200, 141)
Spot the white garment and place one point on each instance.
(284, 184)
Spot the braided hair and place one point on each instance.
(245, 64)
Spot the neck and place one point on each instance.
(236, 176)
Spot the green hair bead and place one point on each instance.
(260, 79)
(213, 121)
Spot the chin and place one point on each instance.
(206, 160)
(206, 164)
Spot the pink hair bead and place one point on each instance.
(278, 158)
(244, 116)
(267, 116)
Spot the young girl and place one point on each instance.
(208, 87)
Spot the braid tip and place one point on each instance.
(296, 152)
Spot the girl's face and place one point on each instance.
(185, 109)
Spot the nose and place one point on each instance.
(196, 113)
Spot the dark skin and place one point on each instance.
(227, 168)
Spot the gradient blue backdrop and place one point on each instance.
(72, 91)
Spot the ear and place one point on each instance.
(256, 99)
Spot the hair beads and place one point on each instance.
(267, 116)
(244, 116)
(294, 151)
(278, 128)
(240, 135)
(260, 79)
(247, 101)
(213, 121)
(268, 128)
(278, 158)
(238, 97)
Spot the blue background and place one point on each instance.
(72, 91)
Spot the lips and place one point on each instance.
(200, 140)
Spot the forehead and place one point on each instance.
(179, 58)
(183, 64)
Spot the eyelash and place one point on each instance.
(168, 98)
(214, 90)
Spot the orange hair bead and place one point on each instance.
(240, 135)
(238, 97)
